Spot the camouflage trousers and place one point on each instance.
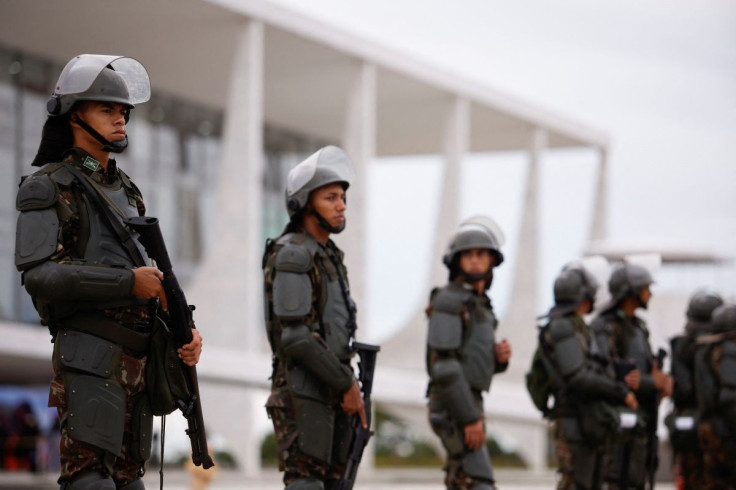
(77, 457)
(719, 455)
(580, 466)
(293, 461)
(689, 468)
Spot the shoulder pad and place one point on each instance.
(445, 328)
(449, 300)
(62, 176)
(36, 192)
(559, 328)
(294, 258)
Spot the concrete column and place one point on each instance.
(456, 145)
(359, 141)
(599, 225)
(227, 287)
(518, 324)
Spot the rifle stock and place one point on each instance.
(180, 323)
(361, 436)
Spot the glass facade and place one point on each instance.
(174, 154)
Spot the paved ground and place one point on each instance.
(271, 480)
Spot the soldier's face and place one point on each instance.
(107, 118)
(645, 295)
(476, 261)
(329, 202)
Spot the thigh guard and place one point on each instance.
(96, 412)
(96, 402)
(315, 419)
(141, 428)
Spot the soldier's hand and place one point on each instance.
(147, 285)
(503, 351)
(633, 379)
(630, 400)
(352, 402)
(475, 435)
(662, 382)
(189, 353)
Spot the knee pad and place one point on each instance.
(477, 465)
(89, 481)
(305, 484)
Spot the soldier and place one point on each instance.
(682, 422)
(624, 339)
(92, 285)
(310, 321)
(462, 353)
(581, 386)
(715, 385)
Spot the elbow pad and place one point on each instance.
(300, 345)
(456, 395)
(70, 282)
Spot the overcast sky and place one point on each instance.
(659, 77)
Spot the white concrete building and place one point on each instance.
(243, 90)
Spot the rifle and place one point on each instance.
(180, 322)
(361, 436)
(652, 440)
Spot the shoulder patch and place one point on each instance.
(294, 258)
(36, 192)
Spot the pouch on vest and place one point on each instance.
(165, 379)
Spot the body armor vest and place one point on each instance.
(103, 245)
(478, 350)
(336, 313)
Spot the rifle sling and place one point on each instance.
(98, 197)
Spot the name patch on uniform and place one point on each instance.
(91, 164)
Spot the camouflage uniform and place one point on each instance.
(622, 339)
(133, 316)
(686, 450)
(579, 456)
(717, 429)
(477, 321)
(289, 406)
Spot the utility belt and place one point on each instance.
(97, 324)
(601, 422)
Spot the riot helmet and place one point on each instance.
(90, 77)
(329, 165)
(701, 305)
(627, 280)
(476, 232)
(573, 285)
(724, 319)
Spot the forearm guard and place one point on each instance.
(457, 398)
(301, 346)
(52, 281)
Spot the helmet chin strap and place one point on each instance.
(110, 146)
(324, 224)
(485, 276)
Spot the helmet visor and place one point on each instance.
(326, 166)
(79, 74)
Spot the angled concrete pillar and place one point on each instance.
(518, 324)
(519, 321)
(599, 225)
(456, 145)
(359, 141)
(227, 287)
